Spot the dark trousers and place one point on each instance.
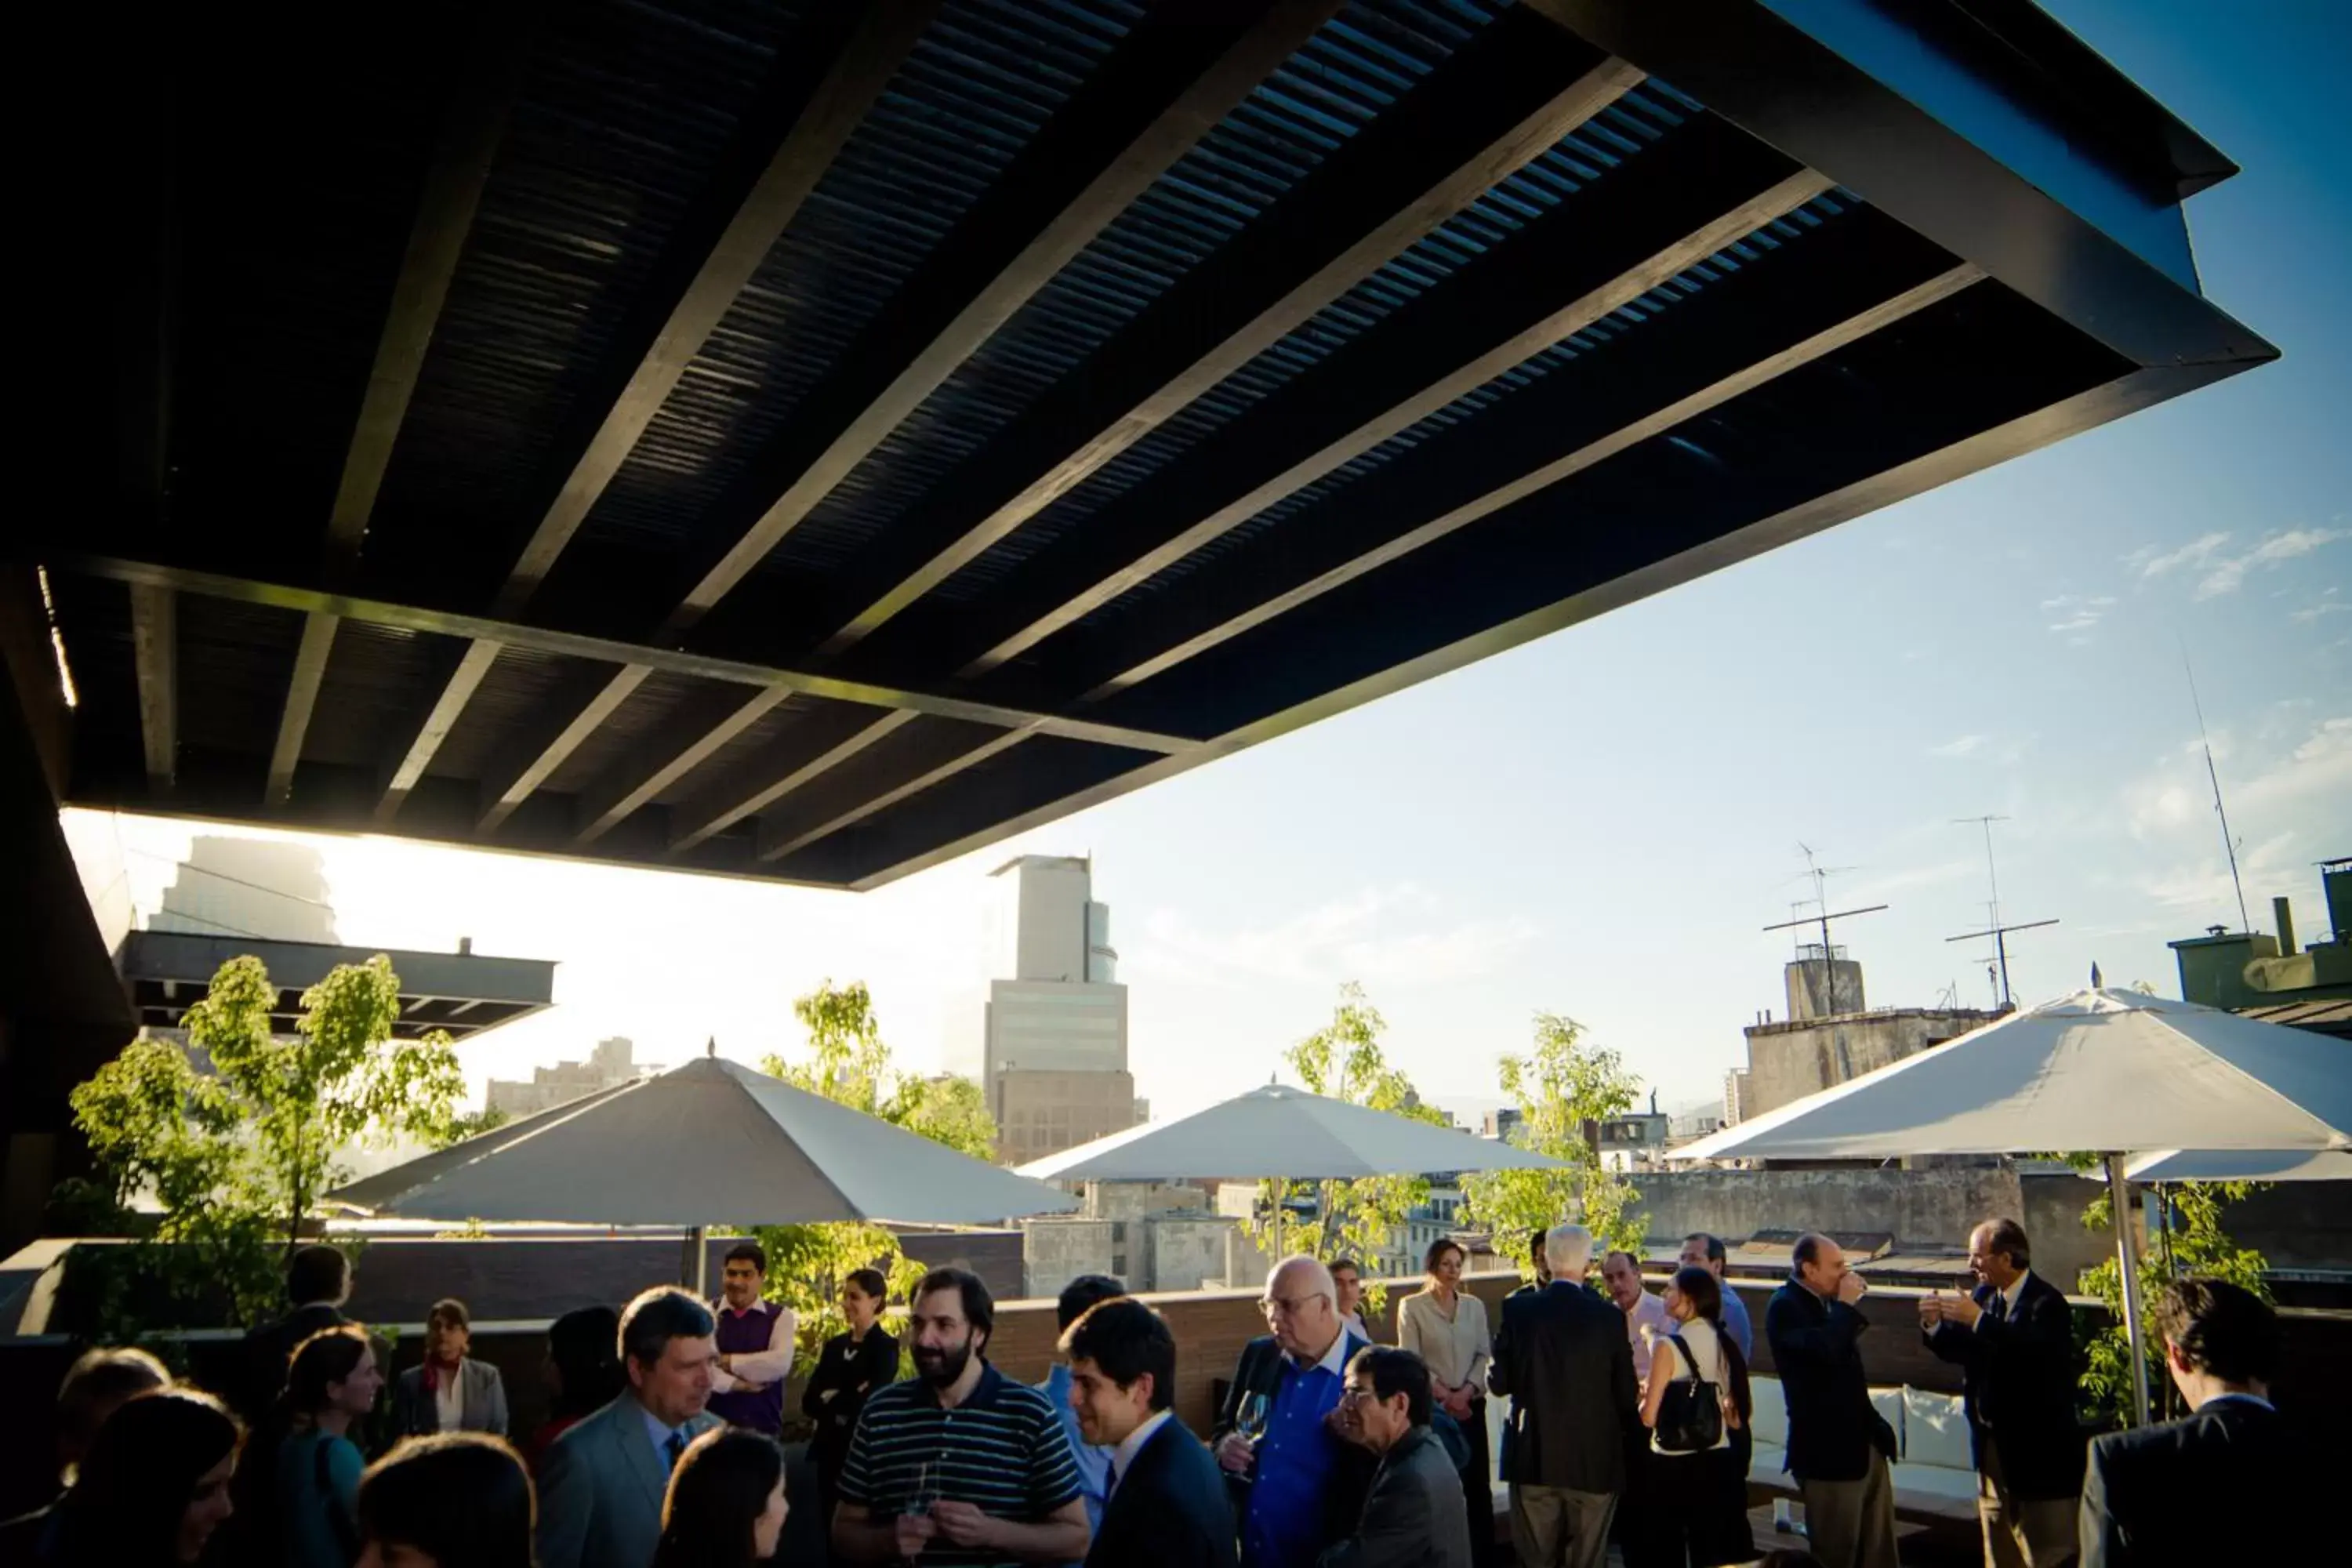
(1478, 1485)
(1701, 1514)
(1644, 1529)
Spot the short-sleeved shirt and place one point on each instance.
(1002, 1450)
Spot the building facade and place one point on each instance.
(1829, 1037)
(1050, 1048)
(610, 1065)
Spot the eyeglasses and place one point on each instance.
(1272, 1306)
(1358, 1396)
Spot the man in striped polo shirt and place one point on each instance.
(961, 1467)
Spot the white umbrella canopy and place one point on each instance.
(712, 1143)
(2105, 1071)
(1283, 1132)
(2242, 1165)
(2101, 1070)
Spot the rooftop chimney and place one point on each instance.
(2284, 913)
(464, 946)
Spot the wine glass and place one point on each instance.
(1251, 1418)
(926, 1492)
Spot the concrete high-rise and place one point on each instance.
(1050, 1049)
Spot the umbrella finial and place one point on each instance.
(710, 1047)
(2095, 977)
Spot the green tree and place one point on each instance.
(2191, 1243)
(1344, 1060)
(240, 1154)
(848, 1063)
(472, 1124)
(1561, 1086)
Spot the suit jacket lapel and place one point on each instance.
(637, 1450)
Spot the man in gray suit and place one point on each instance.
(601, 1487)
(1412, 1515)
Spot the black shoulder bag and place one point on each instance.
(1690, 1416)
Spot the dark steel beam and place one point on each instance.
(537, 753)
(790, 831)
(1185, 67)
(898, 845)
(472, 667)
(1702, 187)
(445, 217)
(692, 737)
(154, 648)
(2022, 217)
(1784, 311)
(1511, 93)
(479, 629)
(813, 749)
(790, 139)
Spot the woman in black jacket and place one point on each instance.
(851, 1366)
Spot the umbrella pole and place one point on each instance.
(2128, 1264)
(694, 1270)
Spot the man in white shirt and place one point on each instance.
(1348, 1287)
(1621, 1273)
(755, 1345)
(1641, 1525)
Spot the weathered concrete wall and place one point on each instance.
(1919, 1208)
(1789, 1061)
(1057, 1251)
(1185, 1251)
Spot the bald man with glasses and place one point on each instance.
(1297, 1483)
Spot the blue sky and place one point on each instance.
(1600, 823)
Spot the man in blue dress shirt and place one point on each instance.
(1298, 1485)
(1701, 1250)
(1094, 1462)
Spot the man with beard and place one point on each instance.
(962, 1465)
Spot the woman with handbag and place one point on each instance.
(1697, 1398)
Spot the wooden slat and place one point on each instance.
(154, 647)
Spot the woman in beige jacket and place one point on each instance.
(1446, 1327)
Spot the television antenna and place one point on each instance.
(2000, 934)
(2229, 844)
(1821, 876)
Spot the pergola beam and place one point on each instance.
(444, 217)
(1704, 187)
(790, 139)
(692, 737)
(516, 776)
(788, 832)
(789, 765)
(481, 630)
(1511, 93)
(154, 650)
(1784, 313)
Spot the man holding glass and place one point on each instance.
(961, 1464)
(1297, 1485)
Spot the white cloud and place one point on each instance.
(1402, 935)
(2078, 613)
(2220, 572)
(2279, 805)
(2325, 607)
(1960, 747)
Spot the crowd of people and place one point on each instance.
(1630, 1423)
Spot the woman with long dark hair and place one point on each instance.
(154, 1485)
(1704, 1492)
(726, 1506)
(331, 1387)
(461, 1500)
(850, 1366)
(582, 1370)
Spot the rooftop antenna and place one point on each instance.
(2229, 844)
(2000, 934)
(1820, 875)
(1992, 875)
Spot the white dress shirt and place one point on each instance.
(1652, 1311)
(449, 1398)
(763, 1367)
(2008, 1299)
(1123, 1456)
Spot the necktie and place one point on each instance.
(1110, 1478)
(674, 1445)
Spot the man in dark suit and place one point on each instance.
(602, 1484)
(1563, 1357)
(1298, 1486)
(2226, 1483)
(1838, 1447)
(318, 1283)
(2014, 1340)
(1166, 1506)
(1413, 1514)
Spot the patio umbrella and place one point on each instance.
(2109, 1071)
(712, 1143)
(2242, 1165)
(1278, 1133)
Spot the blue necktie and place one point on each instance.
(674, 1445)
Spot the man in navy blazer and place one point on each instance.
(2014, 1341)
(601, 1485)
(1166, 1507)
(2227, 1483)
(1840, 1449)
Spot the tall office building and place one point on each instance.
(1051, 1038)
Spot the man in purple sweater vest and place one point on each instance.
(755, 1345)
